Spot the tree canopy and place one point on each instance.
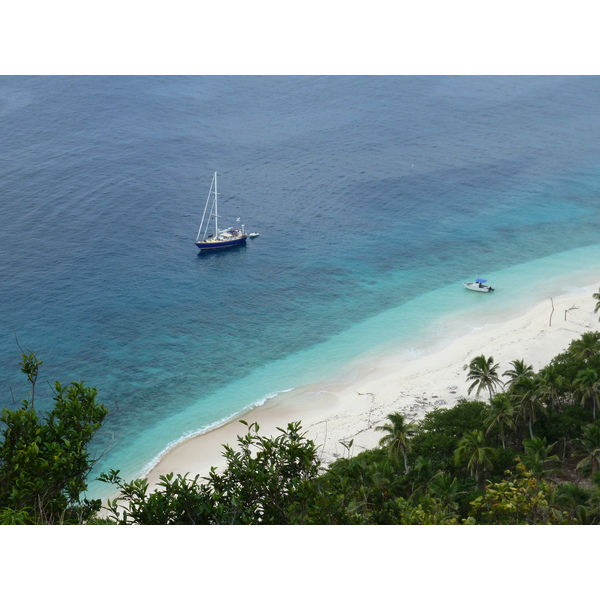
(44, 458)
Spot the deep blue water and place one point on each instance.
(374, 198)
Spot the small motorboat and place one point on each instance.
(253, 234)
(478, 286)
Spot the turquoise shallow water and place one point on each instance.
(375, 197)
(412, 329)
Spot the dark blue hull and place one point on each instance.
(217, 244)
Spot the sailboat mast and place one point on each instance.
(216, 209)
(204, 213)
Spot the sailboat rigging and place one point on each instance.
(209, 239)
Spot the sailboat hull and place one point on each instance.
(218, 244)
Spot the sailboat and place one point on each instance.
(217, 238)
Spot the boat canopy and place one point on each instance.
(478, 280)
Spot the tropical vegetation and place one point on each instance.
(529, 453)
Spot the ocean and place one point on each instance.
(374, 197)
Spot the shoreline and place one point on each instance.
(350, 409)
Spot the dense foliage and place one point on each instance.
(527, 454)
(265, 481)
(44, 459)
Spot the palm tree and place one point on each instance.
(420, 474)
(587, 346)
(519, 370)
(501, 414)
(570, 497)
(537, 457)
(483, 374)
(472, 450)
(587, 385)
(397, 438)
(590, 450)
(551, 383)
(596, 297)
(445, 488)
(528, 400)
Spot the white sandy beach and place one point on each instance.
(341, 412)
